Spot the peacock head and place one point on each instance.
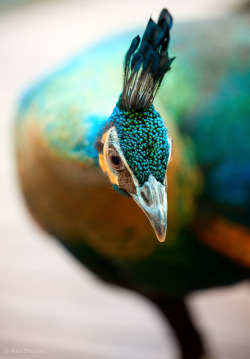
(134, 147)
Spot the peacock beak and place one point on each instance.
(152, 198)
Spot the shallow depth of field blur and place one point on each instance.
(50, 306)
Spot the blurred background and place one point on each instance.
(49, 305)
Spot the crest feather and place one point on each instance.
(145, 68)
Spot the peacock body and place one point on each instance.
(204, 103)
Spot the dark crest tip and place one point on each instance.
(165, 19)
(146, 63)
(133, 46)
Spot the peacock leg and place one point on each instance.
(178, 316)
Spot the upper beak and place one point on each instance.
(152, 199)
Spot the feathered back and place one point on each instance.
(146, 67)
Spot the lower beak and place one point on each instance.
(152, 199)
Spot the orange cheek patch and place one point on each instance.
(112, 177)
(101, 162)
(104, 164)
(105, 168)
(104, 137)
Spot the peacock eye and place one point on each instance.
(115, 160)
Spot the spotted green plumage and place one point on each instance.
(143, 140)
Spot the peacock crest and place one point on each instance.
(146, 63)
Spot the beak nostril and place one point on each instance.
(145, 199)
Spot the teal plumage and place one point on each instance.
(144, 131)
(204, 104)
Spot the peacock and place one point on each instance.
(107, 167)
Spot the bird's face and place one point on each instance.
(134, 152)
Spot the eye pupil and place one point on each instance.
(115, 160)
